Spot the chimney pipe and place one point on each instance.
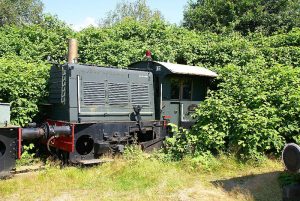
(73, 51)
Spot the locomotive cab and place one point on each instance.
(178, 89)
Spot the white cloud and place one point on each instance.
(88, 21)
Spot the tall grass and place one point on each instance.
(136, 176)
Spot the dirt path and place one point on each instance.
(205, 193)
(262, 187)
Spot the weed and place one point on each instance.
(28, 156)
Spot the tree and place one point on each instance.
(20, 11)
(243, 15)
(137, 10)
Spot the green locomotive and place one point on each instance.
(95, 110)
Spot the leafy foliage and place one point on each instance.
(254, 111)
(23, 85)
(19, 12)
(114, 46)
(137, 10)
(24, 74)
(36, 42)
(218, 16)
(28, 155)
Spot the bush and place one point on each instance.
(24, 86)
(254, 112)
(23, 52)
(35, 43)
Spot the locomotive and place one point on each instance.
(97, 110)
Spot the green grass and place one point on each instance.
(148, 178)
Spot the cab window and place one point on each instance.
(186, 89)
(181, 89)
(175, 89)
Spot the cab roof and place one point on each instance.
(186, 69)
(171, 68)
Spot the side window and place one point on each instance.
(180, 88)
(187, 89)
(175, 88)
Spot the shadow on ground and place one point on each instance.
(261, 187)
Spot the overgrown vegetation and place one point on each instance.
(254, 111)
(23, 67)
(23, 85)
(28, 156)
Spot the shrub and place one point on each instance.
(23, 85)
(255, 111)
(35, 43)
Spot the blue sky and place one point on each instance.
(80, 13)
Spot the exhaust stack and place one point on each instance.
(73, 51)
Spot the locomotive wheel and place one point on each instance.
(291, 157)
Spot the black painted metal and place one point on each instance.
(291, 157)
(8, 150)
(45, 131)
(32, 133)
(93, 140)
(58, 130)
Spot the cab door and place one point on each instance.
(171, 111)
(175, 95)
(174, 112)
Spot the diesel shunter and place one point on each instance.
(97, 110)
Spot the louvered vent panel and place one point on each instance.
(93, 93)
(118, 93)
(57, 85)
(140, 95)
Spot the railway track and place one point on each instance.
(36, 168)
(26, 169)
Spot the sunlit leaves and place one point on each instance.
(23, 85)
(244, 16)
